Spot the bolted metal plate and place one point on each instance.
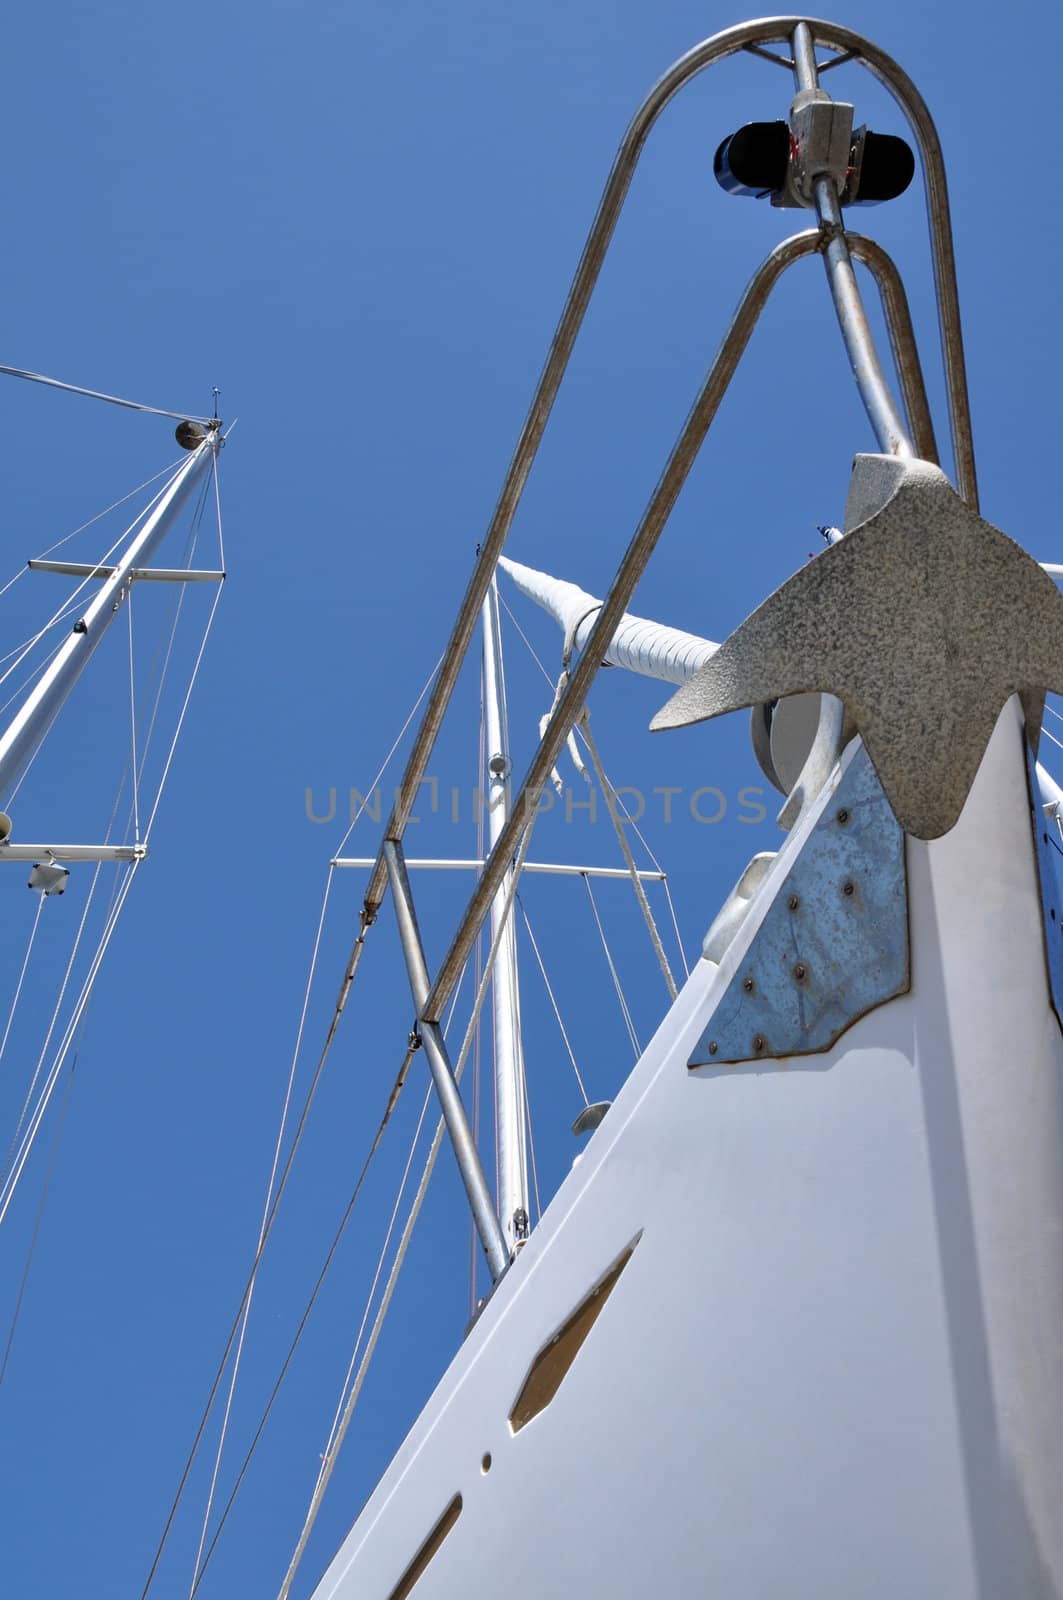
(1049, 847)
(834, 942)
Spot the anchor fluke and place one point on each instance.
(923, 621)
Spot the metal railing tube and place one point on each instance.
(703, 55)
(902, 341)
(450, 1101)
(615, 604)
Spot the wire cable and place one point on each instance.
(340, 1433)
(346, 985)
(95, 394)
(610, 796)
(22, 976)
(24, 1281)
(612, 969)
(553, 1001)
(632, 821)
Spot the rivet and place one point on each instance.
(793, 902)
(799, 971)
(848, 887)
(713, 1047)
(758, 1041)
(843, 816)
(747, 984)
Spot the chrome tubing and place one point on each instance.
(641, 547)
(745, 36)
(882, 413)
(885, 419)
(450, 1101)
(902, 341)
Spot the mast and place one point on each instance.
(510, 1121)
(27, 729)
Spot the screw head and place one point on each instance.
(848, 887)
(713, 1047)
(759, 1042)
(799, 971)
(747, 985)
(843, 815)
(793, 902)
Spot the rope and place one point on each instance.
(640, 894)
(331, 1455)
(612, 968)
(95, 394)
(553, 1002)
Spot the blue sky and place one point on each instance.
(360, 223)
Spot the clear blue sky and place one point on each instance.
(360, 223)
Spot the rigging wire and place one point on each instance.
(622, 804)
(5, 1171)
(86, 581)
(95, 394)
(392, 1101)
(612, 969)
(329, 1462)
(27, 644)
(133, 723)
(609, 794)
(84, 996)
(387, 1237)
(396, 1090)
(164, 651)
(22, 976)
(217, 510)
(531, 1147)
(22, 571)
(347, 983)
(477, 1060)
(246, 1311)
(553, 1001)
(24, 1280)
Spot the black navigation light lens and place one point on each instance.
(881, 167)
(754, 160)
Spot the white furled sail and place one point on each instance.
(641, 646)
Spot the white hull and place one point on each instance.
(832, 1365)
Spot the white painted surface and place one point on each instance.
(832, 1367)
